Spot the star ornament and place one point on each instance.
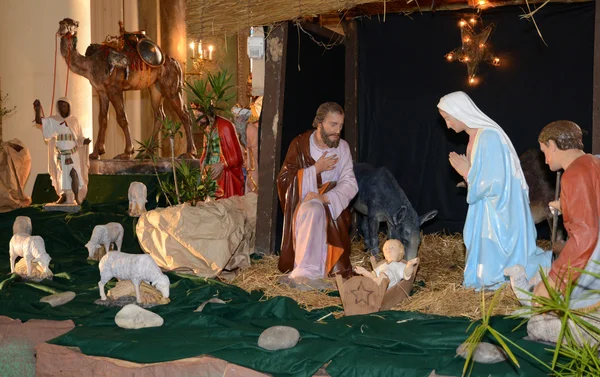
(361, 294)
(475, 48)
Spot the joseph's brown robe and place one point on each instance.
(288, 188)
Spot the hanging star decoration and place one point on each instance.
(361, 294)
(475, 48)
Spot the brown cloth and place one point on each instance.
(338, 236)
(15, 165)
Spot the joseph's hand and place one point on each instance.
(314, 195)
(325, 163)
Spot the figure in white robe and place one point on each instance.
(67, 151)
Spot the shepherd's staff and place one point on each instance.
(555, 213)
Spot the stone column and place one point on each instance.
(173, 42)
(27, 41)
(148, 16)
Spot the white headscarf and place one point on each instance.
(462, 107)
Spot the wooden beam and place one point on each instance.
(596, 92)
(390, 7)
(270, 139)
(351, 87)
(326, 33)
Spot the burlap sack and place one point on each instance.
(15, 165)
(202, 240)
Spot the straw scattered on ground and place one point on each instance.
(437, 288)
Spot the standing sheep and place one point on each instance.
(134, 267)
(22, 224)
(104, 235)
(137, 199)
(32, 249)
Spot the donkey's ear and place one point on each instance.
(76, 23)
(399, 216)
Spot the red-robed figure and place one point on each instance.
(225, 159)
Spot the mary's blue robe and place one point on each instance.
(499, 231)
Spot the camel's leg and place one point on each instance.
(116, 98)
(175, 99)
(157, 108)
(171, 85)
(102, 123)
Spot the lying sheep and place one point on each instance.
(104, 235)
(22, 224)
(134, 267)
(519, 283)
(31, 248)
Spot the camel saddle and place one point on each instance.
(136, 42)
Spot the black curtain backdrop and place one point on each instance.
(313, 75)
(403, 74)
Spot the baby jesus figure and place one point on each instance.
(395, 268)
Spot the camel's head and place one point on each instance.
(67, 26)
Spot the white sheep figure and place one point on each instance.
(22, 224)
(137, 199)
(519, 283)
(134, 267)
(104, 235)
(31, 248)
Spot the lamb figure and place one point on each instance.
(22, 224)
(31, 248)
(134, 267)
(137, 199)
(105, 235)
(519, 282)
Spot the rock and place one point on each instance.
(278, 338)
(134, 317)
(59, 298)
(214, 299)
(485, 353)
(124, 293)
(37, 273)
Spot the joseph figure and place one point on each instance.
(315, 186)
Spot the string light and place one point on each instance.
(474, 49)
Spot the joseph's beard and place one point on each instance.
(326, 139)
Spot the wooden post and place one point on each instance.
(351, 87)
(270, 139)
(596, 92)
(243, 67)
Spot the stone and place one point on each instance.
(134, 317)
(37, 273)
(278, 338)
(59, 298)
(485, 353)
(214, 299)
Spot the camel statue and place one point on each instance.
(164, 81)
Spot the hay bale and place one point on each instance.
(438, 288)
